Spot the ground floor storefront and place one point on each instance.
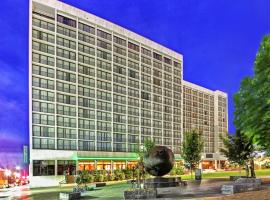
(213, 164)
(52, 167)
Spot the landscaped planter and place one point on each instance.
(69, 195)
(140, 194)
(234, 178)
(242, 185)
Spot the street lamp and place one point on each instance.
(18, 168)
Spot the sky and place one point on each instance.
(218, 41)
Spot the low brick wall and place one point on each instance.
(69, 195)
(140, 194)
(242, 185)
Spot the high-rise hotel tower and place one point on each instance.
(98, 91)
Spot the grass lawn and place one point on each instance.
(206, 175)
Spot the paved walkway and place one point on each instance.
(196, 189)
(204, 189)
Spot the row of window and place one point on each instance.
(89, 29)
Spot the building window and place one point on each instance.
(104, 146)
(43, 167)
(86, 28)
(119, 147)
(120, 41)
(145, 95)
(43, 24)
(119, 60)
(66, 43)
(146, 52)
(104, 55)
(43, 107)
(43, 71)
(66, 65)
(66, 32)
(104, 45)
(167, 60)
(133, 46)
(46, 60)
(146, 60)
(132, 74)
(43, 47)
(119, 50)
(134, 56)
(66, 144)
(66, 54)
(43, 131)
(86, 38)
(43, 95)
(43, 143)
(86, 135)
(104, 35)
(66, 21)
(66, 133)
(61, 98)
(133, 65)
(157, 56)
(43, 36)
(66, 167)
(86, 49)
(177, 64)
(86, 145)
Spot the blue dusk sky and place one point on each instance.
(218, 40)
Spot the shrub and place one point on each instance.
(111, 177)
(90, 178)
(177, 171)
(119, 175)
(128, 174)
(99, 177)
(82, 177)
(104, 173)
(122, 176)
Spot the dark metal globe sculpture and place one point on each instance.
(159, 161)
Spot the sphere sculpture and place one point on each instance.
(159, 161)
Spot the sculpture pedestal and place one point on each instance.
(162, 182)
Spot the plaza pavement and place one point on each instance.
(208, 189)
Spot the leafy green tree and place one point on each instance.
(141, 152)
(145, 148)
(192, 148)
(82, 178)
(252, 101)
(239, 149)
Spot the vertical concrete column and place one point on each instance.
(77, 166)
(55, 167)
(126, 164)
(216, 164)
(95, 165)
(200, 165)
(112, 166)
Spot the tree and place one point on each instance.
(141, 152)
(192, 148)
(252, 101)
(145, 148)
(239, 149)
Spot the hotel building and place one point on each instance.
(206, 111)
(97, 91)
